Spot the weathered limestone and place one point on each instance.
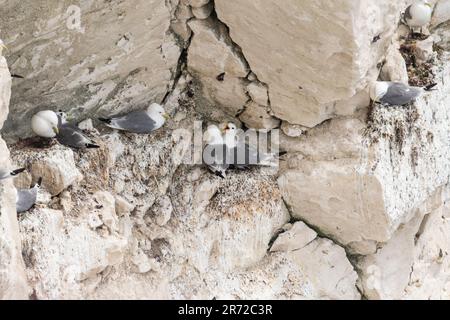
(295, 238)
(61, 255)
(277, 40)
(13, 282)
(256, 116)
(218, 67)
(360, 188)
(441, 13)
(204, 11)
(56, 166)
(414, 264)
(183, 13)
(394, 69)
(68, 62)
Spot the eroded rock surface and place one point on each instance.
(357, 209)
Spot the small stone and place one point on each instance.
(258, 93)
(94, 221)
(257, 117)
(106, 205)
(395, 67)
(197, 3)
(252, 77)
(297, 237)
(123, 207)
(142, 262)
(163, 210)
(86, 125)
(65, 200)
(57, 169)
(423, 50)
(203, 12)
(293, 130)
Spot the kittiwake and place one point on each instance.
(71, 136)
(395, 93)
(26, 198)
(214, 152)
(418, 14)
(5, 174)
(240, 154)
(45, 124)
(139, 121)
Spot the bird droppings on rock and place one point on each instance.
(420, 73)
(132, 219)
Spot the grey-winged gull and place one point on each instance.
(395, 93)
(5, 174)
(214, 152)
(418, 14)
(240, 154)
(71, 136)
(26, 198)
(145, 121)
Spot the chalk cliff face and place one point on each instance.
(358, 207)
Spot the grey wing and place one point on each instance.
(25, 199)
(136, 122)
(399, 94)
(243, 155)
(72, 136)
(214, 159)
(4, 174)
(408, 13)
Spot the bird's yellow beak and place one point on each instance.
(55, 130)
(166, 116)
(3, 46)
(428, 4)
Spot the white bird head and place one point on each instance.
(230, 128)
(378, 89)
(62, 115)
(157, 110)
(2, 46)
(45, 124)
(213, 135)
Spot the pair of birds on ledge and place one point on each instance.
(417, 15)
(50, 124)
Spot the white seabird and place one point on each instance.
(395, 93)
(71, 136)
(240, 154)
(26, 198)
(214, 152)
(418, 14)
(5, 174)
(45, 124)
(139, 121)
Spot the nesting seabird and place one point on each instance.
(26, 198)
(45, 124)
(240, 154)
(5, 174)
(145, 121)
(71, 136)
(418, 14)
(214, 152)
(396, 93)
